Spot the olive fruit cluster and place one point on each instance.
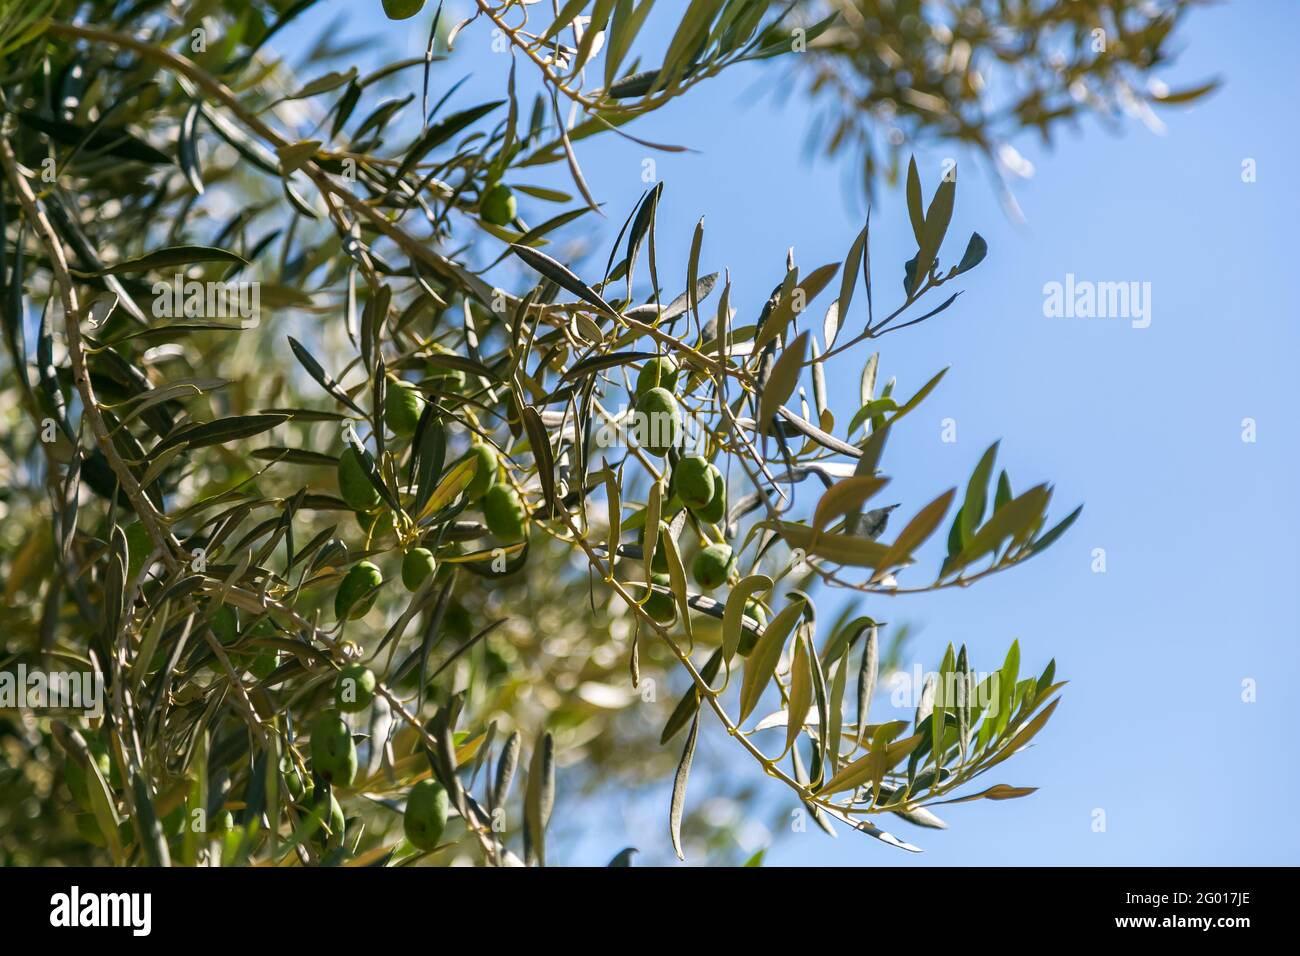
(333, 755)
(699, 485)
(333, 750)
(359, 589)
(710, 568)
(503, 512)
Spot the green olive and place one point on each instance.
(485, 470)
(749, 638)
(426, 814)
(418, 564)
(715, 512)
(446, 378)
(692, 482)
(657, 373)
(711, 566)
(497, 205)
(138, 547)
(661, 607)
(354, 689)
(263, 665)
(402, 9)
(225, 624)
(658, 421)
(333, 754)
(354, 486)
(377, 525)
(402, 409)
(294, 783)
(504, 513)
(661, 555)
(357, 591)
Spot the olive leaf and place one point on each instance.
(845, 549)
(166, 259)
(452, 484)
(734, 620)
(110, 140)
(781, 382)
(315, 370)
(370, 469)
(440, 132)
(845, 497)
(205, 434)
(972, 508)
(976, 250)
(801, 690)
(539, 799)
(689, 705)
(762, 661)
(540, 443)
(919, 529)
(794, 300)
(561, 276)
(505, 772)
(935, 227)
(834, 723)
(623, 857)
(678, 802)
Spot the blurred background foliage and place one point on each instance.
(892, 74)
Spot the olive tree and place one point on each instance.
(358, 502)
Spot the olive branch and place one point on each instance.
(469, 443)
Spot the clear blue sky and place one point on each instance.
(1143, 426)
